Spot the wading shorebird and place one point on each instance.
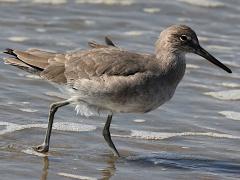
(114, 80)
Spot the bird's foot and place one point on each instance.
(42, 148)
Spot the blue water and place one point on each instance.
(194, 136)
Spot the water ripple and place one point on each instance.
(187, 162)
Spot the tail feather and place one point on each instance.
(48, 65)
(19, 64)
(23, 60)
(10, 52)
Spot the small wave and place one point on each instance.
(76, 176)
(184, 19)
(192, 66)
(139, 120)
(75, 127)
(108, 2)
(151, 10)
(148, 135)
(32, 152)
(28, 110)
(41, 30)
(166, 160)
(232, 85)
(50, 1)
(61, 126)
(9, 1)
(89, 22)
(18, 38)
(10, 127)
(225, 95)
(133, 33)
(25, 102)
(203, 38)
(204, 3)
(231, 115)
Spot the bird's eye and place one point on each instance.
(184, 38)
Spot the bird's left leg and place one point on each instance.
(44, 147)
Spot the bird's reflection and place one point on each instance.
(106, 173)
(110, 170)
(45, 163)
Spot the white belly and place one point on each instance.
(125, 96)
(102, 105)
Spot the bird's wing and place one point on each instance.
(105, 61)
(63, 68)
(49, 65)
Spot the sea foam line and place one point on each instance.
(61, 126)
(149, 135)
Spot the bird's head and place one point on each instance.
(181, 39)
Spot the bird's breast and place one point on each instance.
(131, 94)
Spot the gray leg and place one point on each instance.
(107, 136)
(44, 147)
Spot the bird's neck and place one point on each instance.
(171, 62)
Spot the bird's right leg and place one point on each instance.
(107, 135)
(44, 147)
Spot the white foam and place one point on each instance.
(192, 66)
(17, 38)
(151, 10)
(139, 120)
(11, 1)
(32, 152)
(76, 176)
(133, 33)
(10, 127)
(203, 38)
(75, 127)
(226, 95)
(184, 19)
(50, 1)
(204, 3)
(89, 22)
(40, 30)
(108, 2)
(10, 102)
(61, 126)
(28, 110)
(25, 102)
(148, 135)
(233, 85)
(231, 115)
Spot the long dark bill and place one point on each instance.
(202, 52)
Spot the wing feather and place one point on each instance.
(105, 61)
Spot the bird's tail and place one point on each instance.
(33, 60)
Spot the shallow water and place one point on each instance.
(194, 136)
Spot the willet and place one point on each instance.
(114, 80)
